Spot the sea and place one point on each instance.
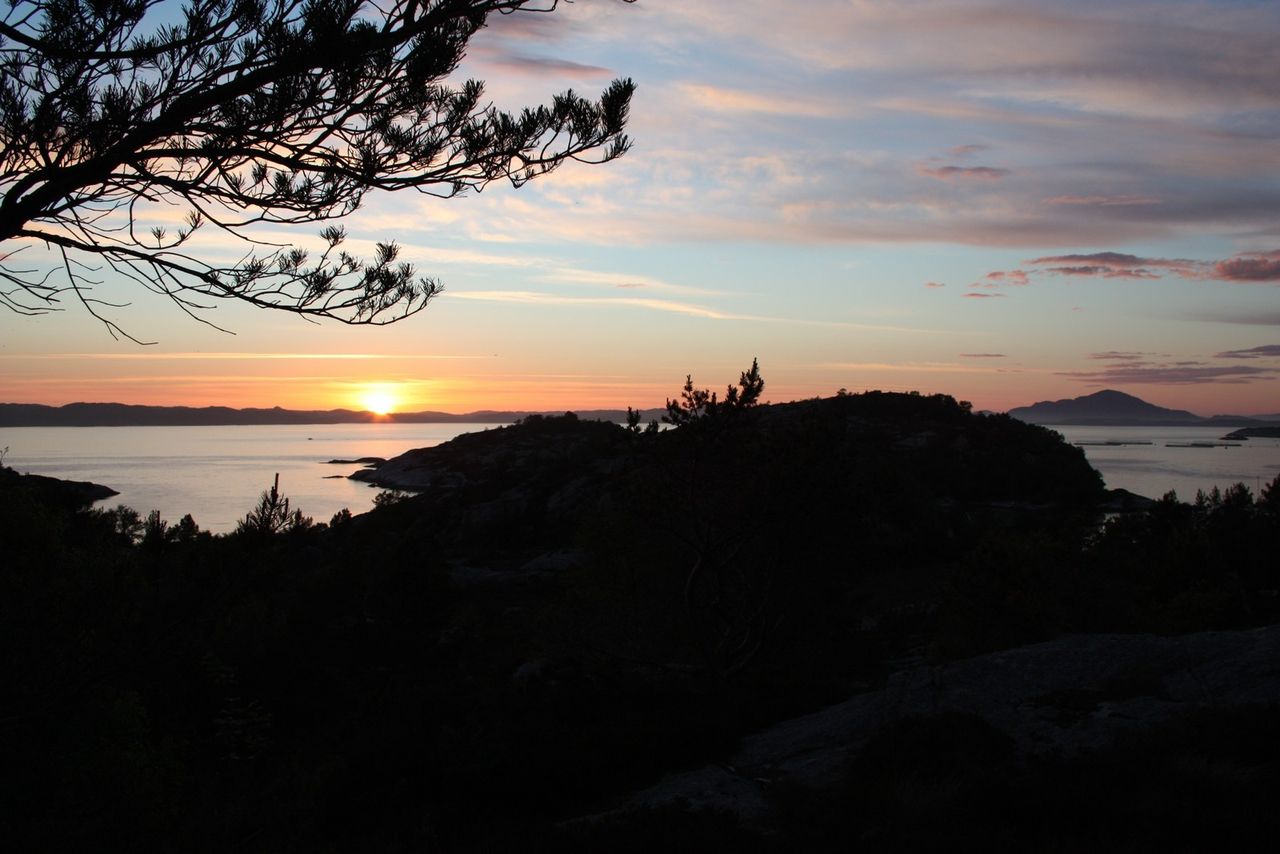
(217, 474)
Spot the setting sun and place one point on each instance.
(379, 401)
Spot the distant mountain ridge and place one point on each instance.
(1102, 408)
(129, 415)
(1115, 408)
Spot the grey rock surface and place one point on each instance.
(1062, 698)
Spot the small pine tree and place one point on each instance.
(155, 531)
(272, 515)
(185, 531)
(696, 404)
(752, 385)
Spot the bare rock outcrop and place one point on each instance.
(1061, 698)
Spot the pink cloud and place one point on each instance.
(949, 173)
(1246, 267)
(997, 278)
(1119, 265)
(539, 66)
(1102, 201)
(1105, 272)
(966, 150)
(1251, 267)
(981, 296)
(1109, 259)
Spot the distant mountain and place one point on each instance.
(1115, 408)
(126, 415)
(1105, 407)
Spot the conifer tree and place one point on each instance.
(119, 118)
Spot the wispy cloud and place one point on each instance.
(1119, 356)
(156, 356)
(1245, 267)
(543, 65)
(962, 173)
(961, 151)
(1104, 272)
(1266, 351)
(627, 281)
(1185, 372)
(726, 100)
(973, 295)
(996, 278)
(1120, 260)
(911, 367)
(1103, 201)
(663, 305)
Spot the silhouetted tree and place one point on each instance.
(114, 113)
(696, 404)
(186, 531)
(155, 531)
(272, 515)
(751, 385)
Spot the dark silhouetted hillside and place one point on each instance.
(565, 613)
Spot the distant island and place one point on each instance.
(1110, 408)
(126, 415)
(1102, 409)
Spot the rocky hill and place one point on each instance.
(876, 620)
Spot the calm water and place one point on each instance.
(1152, 470)
(217, 473)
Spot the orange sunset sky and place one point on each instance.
(1003, 201)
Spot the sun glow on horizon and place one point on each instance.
(379, 400)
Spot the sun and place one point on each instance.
(379, 401)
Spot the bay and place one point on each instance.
(1156, 468)
(217, 473)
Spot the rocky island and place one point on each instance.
(1254, 433)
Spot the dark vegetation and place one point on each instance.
(568, 609)
(240, 114)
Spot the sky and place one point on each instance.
(1002, 201)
